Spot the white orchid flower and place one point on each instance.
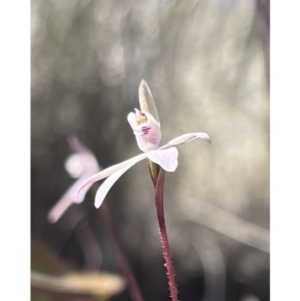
(81, 165)
(146, 128)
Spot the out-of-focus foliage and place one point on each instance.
(52, 279)
(206, 62)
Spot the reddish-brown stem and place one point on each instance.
(159, 202)
(132, 284)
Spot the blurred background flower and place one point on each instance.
(207, 63)
(82, 164)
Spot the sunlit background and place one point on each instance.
(207, 64)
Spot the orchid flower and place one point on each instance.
(82, 164)
(146, 128)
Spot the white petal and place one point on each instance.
(111, 180)
(83, 191)
(67, 200)
(108, 171)
(186, 138)
(146, 100)
(166, 158)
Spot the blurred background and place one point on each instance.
(207, 65)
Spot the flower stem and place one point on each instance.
(132, 283)
(159, 202)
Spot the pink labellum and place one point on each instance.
(146, 130)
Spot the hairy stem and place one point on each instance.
(159, 202)
(132, 283)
